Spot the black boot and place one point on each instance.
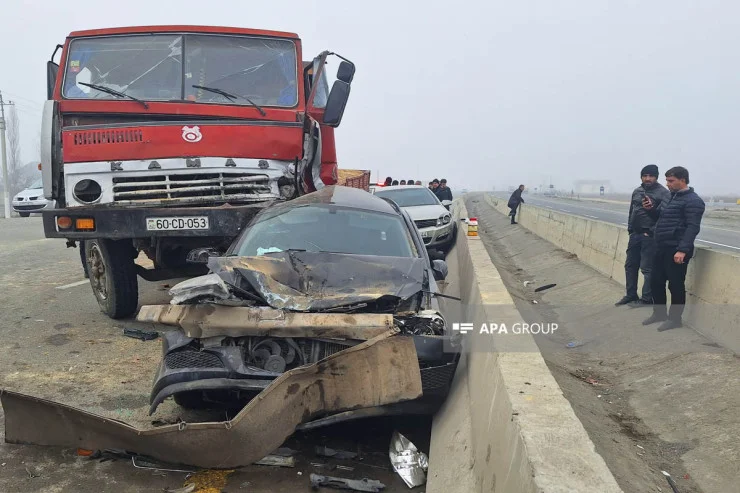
(625, 300)
(669, 324)
(659, 315)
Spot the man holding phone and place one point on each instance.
(641, 245)
(678, 224)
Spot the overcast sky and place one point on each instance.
(485, 93)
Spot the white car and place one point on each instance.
(431, 216)
(31, 200)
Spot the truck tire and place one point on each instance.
(112, 272)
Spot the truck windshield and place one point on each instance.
(165, 67)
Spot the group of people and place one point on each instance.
(663, 224)
(438, 187)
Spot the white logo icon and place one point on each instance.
(191, 134)
(462, 328)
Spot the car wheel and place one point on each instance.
(112, 272)
(24, 214)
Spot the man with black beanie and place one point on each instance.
(641, 245)
(679, 221)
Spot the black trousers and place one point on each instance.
(512, 212)
(640, 255)
(666, 270)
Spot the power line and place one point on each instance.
(27, 101)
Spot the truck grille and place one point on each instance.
(426, 223)
(201, 187)
(94, 137)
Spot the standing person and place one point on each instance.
(514, 201)
(430, 186)
(435, 185)
(409, 182)
(388, 181)
(443, 192)
(394, 183)
(418, 182)
(403, 182)
(679, 221)
(641, 245)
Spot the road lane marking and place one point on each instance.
(720, 229)
(74, 284)
(719, 244)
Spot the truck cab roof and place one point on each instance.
(181, 28)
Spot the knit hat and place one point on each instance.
(651, 170)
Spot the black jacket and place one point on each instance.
(443, 194)
(679, 220)
(640, 220)
(515, 199)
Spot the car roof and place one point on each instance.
(342, 196)
(401, 187)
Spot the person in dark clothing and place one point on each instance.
(388, 182)
(679, 221)
(403, 182)
(435, 186)
(443, 192)
(514, 201)
(394, 183)
(409, 182)
(641, 245)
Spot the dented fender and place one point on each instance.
(379, 371)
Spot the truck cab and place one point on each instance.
(167, 139)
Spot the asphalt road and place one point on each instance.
(56, 344)
(719, 234)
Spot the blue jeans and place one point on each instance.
(640, 254)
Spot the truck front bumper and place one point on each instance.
(118, 223)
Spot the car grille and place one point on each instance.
(28, 207)
(437, 376)
(200, 187)
(192, 359)
(426, 223)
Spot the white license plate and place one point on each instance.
(427, 234)
(176, 223)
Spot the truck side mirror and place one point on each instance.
(52, 69)
(336, 103)
(346, 72)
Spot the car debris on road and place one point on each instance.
(142, 335)
(407, 461)
(364, 484)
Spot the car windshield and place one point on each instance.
(37, 184)
(328, 228)
(409, 197)
(150, 67)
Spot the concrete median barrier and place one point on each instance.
(506, 426)
(711, 282)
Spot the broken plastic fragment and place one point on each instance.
(208, 286)
(407, 461)
(261, 251)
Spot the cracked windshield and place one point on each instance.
(217, 69)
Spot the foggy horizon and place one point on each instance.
(483, 94)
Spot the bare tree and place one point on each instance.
(17, 180)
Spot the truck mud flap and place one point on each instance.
(380, 371)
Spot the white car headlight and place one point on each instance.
(443, 220)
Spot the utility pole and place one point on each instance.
(6, 184)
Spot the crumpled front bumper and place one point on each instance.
(376, 372)
(222, 368)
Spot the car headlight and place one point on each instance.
(443, 220)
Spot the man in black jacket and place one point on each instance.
(514, 201)
(443, 192)
(679, 221)
(641, 246)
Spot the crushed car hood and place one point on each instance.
(308, 281)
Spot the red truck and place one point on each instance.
(168, 139)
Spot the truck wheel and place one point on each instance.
(110, 265)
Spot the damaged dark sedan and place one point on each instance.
(305, 280)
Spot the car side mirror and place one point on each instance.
(447, 204)
(52, 69)
(439, 267)
(201, 255)
(346, 72)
